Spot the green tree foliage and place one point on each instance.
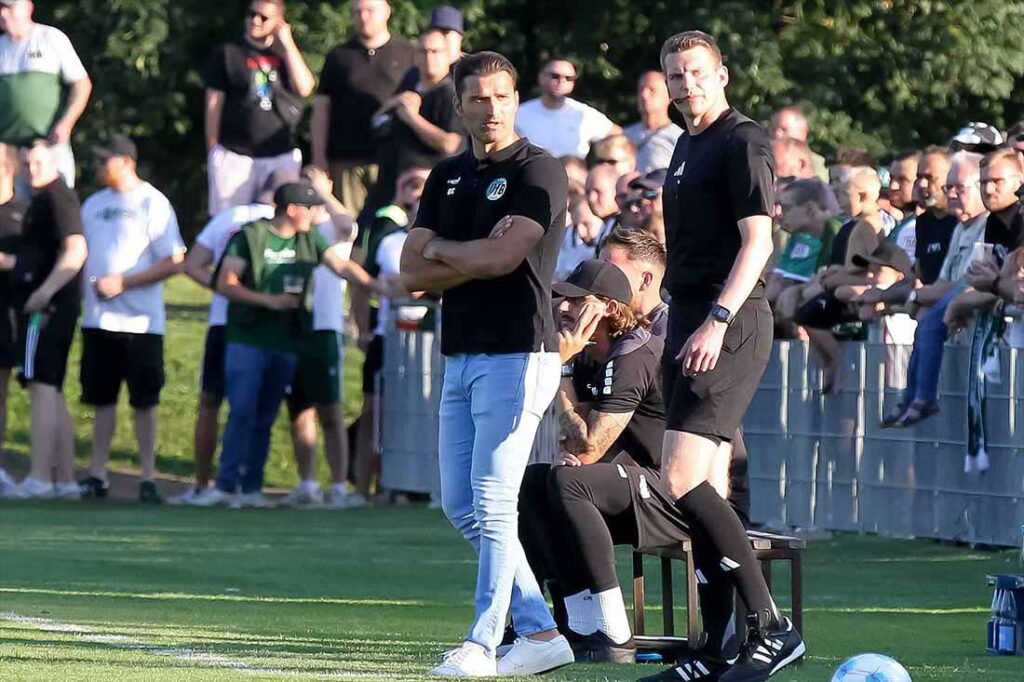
(881, 74)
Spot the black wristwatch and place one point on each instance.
(719, 313)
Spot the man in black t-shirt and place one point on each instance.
(11, 213)
(357, 77)
(254, 92)
(487, 234)
(718, 200)
(936, 225)
(46, 287)
(417, 127)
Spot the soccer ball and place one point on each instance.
(871, 668)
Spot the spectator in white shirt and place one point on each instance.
(654, 135)
(555, 121)
(131, 231)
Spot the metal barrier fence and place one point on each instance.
(815, 461)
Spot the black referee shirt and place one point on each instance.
(463, 199)
(715, 179)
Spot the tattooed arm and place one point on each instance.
(599, 432)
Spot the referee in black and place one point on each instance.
(718, 200)
(487, 234)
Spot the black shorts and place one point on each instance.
(110, 358)
(11, 351)
(212, 380)
(47, 346)
(713, 403)
(824, 311)
(372, 364)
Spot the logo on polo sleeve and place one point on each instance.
(496, 189)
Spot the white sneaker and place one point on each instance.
(302, 497)
(469, 660)
(185, 497)
(532, 656)
(67, 491)
(30, 489)
(356, 501)
(251, 501)
(6, 482)
(337, 498)
(211, 497)
(435, 501)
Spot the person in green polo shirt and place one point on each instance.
(266, 275)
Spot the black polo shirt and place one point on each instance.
(1010, 236)
(628, 381)
(358, 80)
(463, 199)
(933, 235)
(715, 179)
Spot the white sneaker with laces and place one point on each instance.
(67, 491)
(31, 489)
(469, 660)
(211, 497)
(533, 656)
(302, 497)
(251, 501)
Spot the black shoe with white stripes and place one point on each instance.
(766, 651)
(691, 666)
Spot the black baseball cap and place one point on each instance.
(446, 18)
(297, 194)
(598, 278)
(653, 181)
(116, 145)
(888, 255)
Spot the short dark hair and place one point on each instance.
(479, 64)
(431, 29)
(854, 158)
(810, 191)
(1015, 131)
(906, 155)
(640, 245)
(1007, 154)
(687, 40)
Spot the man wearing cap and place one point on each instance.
(254, 102)
(357, 77)
(266, 275)
(134, 245)
(448, 20)
(573, 511)
(46, 286)
(417, 127)
(37, 65)
(643, 201)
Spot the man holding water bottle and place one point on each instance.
(266, 275)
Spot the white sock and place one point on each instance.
(339, 488)
(611, 615)
(582, 613)
(309, 486)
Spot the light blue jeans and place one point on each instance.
(491, 406)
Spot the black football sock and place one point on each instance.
(703, 507)
(717, 598)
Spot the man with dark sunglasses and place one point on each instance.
(556, 122)
(254, 92)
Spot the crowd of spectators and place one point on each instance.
(920, 249)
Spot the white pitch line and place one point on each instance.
(200, 658)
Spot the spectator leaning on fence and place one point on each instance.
(254, 103)
(37, 64)
(12, 211)
(47, 288)
(131, 231)
(556, 122)
(358, 76)
(903, 198)
(791, 122)
(929, 302)
(654, 135)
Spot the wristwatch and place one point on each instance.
(719, 313)
(912, 298)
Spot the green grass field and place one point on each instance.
(119, 592)
(183, 351)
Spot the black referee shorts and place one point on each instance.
(110, 358)
(373, 363)
(713, 403)
(11, 352)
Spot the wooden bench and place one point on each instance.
(768, 548)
